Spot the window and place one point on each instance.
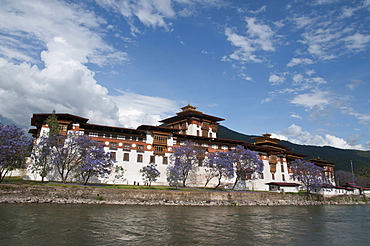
(62, 128)
(126, 157)
(165, 160)
(159, 150)
(139, 158)
(273, 176)
(113, 155)
(93, 134)
(283, 176)
(126, 147)
(282, 168)
(152, 159)
(113, 145)
(140, 148)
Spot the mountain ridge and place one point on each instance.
(341, 157)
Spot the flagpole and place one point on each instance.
(353, 176)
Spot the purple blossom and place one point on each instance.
(15, 146)
(310, 175)
(246, 163)
(75, 153)
(185, 161)
(150, 173)
(219, 165)
(174, 175)
(96, 161)
(41, 158)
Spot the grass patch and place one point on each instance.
(21, 181)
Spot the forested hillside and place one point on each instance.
(341, 157)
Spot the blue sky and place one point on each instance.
(297, 69)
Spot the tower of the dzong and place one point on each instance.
(193, 122)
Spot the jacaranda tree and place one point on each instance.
(76, 154)
(310, 175)
(95, 161)
(218, 165)
(343, 177)
(119, 173)
(174, 175)
(15, 146)
(41, 151)
(246, 163)
(185, 161)
(150, 173)
(41, 155)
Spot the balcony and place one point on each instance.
(159, 150)
(160, 139)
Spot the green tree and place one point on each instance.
(52, 122)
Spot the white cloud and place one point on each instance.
(303, 21)
(322, 2)
(155, 13)
(135, 109)
(294, 115)
(354, 84)
(36, 24)
(366, 3)
(151, 13)
(70, 87)
(299, 61)
(296, 135)
(357, 41)
(309, 72)
(348, 12)
(65, 40)
(244, 47)
(276, 80)
(310, 100)
(362, 117)
(262, 9)
(298, 79)
(258, 38)
(261, 34)
(66, 86)
(331, 35)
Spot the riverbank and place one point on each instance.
(10, 193)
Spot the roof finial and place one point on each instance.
(188, 107)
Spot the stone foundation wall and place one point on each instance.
(92, 195)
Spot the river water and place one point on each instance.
(69, 224)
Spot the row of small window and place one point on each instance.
(213, 146)
(115, 136)
(125, 146)
(139, 158)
